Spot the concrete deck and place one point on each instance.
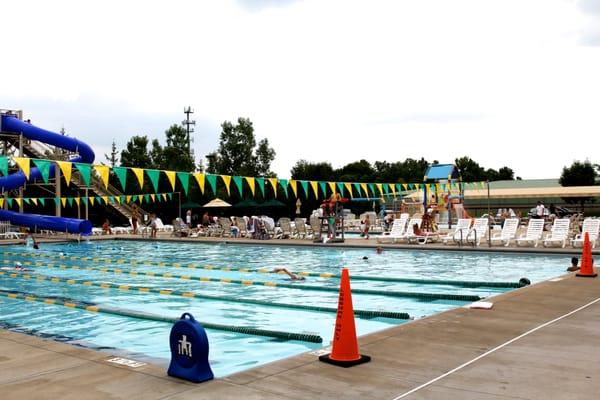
(557, 361)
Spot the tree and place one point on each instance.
(578, 174)
(470, 170)
(264, 156)
(305, 170)
(237, 153)
(113, 158)
(358, 171)
(175, 155)
(136, 154)
(506, 174)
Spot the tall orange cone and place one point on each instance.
(587, 267)
(344, 352)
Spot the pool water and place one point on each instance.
(128, 263)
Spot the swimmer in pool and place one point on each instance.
(293, 277)
(573, 267)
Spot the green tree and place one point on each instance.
(305, 170)
(470, 170)
(237, 153)
(506, 174)
(578, 174)
(113, 158)
(136, 153)
(358, 171)
(264, 157)
(175, 155)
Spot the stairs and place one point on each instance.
(41, 150)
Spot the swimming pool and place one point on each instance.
(231, 285)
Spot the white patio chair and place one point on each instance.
(533, 235)
(509, 232)
(460, 231)
(410, 230)
(592, 227)
(478, 231)
(559, 233)
(397, 231)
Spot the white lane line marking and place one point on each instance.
(493, 350)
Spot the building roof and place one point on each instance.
(440, 172)
(533, 192)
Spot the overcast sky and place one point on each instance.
(506, 82)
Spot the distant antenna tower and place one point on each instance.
(189, 127)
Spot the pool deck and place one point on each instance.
(541, 341)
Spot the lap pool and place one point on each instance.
(224, 284)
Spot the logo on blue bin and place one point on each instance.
(189, 350)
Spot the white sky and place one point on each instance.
(506, 82)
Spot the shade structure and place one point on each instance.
(217, 203)
(272, 203)
(191, 204)
(247, 203)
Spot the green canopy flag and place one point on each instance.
(70, 200)
(170, 196)
(121, 173)
(153, 174)
(323, 187)
(134, 198)
(386, 189)
(111, 199)
(85, 200)
(261, 185)
(212, 181)
(238, 180)
(98, 199)
(147, 198)
(85, 170)
(27, 200)
(372, 187)
(9, 201)
(57, 201)
(398, 188)
(4, 165)
(44, 168)
(357, 188)
(184, 179)
(340, 186)
(304, 185)
(284, 185)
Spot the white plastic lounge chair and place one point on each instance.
(286, 228)
(592, 227)
(559, 233)
(423, 237)
(398, 230)
(509, 232)
(300, 226)
(533, 235)
(478, 231)
(409, 230)
(460, 231)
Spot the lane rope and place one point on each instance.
(91, 307)
(244, 282)
(462, 283)
(106, 285)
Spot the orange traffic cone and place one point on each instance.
(344, 352)
(587, 268)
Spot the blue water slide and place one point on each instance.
(14, 125)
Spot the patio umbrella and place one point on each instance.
(217, 203)
(272, 203)
(190, 204)
(248, 203)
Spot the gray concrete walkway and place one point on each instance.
(556, 361)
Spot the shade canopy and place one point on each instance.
(272, 203)
(191, 204)
(217, 203)
(247, 203)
